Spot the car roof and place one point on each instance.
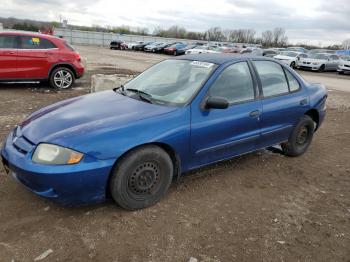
(219, 59)
(26, 33)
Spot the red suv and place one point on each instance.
(28, 57)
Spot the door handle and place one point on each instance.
(10, 53)
(303, 102)
(255, 113)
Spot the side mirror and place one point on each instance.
(216, 103)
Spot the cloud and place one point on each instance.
(311, 21)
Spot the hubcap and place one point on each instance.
(144, 179)
(302, 136)
(63, 79)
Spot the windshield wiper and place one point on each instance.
(142, 95)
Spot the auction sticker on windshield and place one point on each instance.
(202, 64)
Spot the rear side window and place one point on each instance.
(293, 83)
(272, 78)
(29, 42)
(234, 84)
(68, 46)
(8, 41)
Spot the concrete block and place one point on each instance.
(101, 82)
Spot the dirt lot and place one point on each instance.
(259, 207)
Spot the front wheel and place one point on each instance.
(300, 138)
(62, 78)
(321, 69)
(292, 65)
(141, 178)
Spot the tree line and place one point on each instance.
(269, 38)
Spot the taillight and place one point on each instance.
(77, 57)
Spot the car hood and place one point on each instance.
(89, 113)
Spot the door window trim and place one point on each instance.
(254, 81)
(262, 97)
(33, 49)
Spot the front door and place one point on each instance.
(8, 57)
(218, 134)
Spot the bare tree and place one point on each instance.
(267, 37)
(215, 34)
(279, 37)
(346, 44)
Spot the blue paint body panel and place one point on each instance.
(106, 125)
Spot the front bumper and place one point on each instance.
(343, 69)
(79, 184)
(308, 66)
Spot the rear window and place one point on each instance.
(8, 41)
(33, 42)
(68, 46)
(272, 78)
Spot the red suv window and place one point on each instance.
(29, 42)
(8, 41)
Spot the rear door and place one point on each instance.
(35, 57)
(284, 102)
(8, 57)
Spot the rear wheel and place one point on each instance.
(141, 178)
(62, 78)
(300, 138)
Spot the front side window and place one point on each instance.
(234, 84)
(272, 78)
(30, 42)
(171, 82)
(8, 41)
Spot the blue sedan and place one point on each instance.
(179, 115)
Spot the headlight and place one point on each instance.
(55, 155)
(315, 63)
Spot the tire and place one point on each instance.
(175, 53)
(292, 65)
(321, 69)
(341, 72)
(62, 78)
(300, 138)
(141, 178)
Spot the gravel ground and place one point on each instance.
(261, 206)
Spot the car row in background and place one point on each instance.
(296, 57)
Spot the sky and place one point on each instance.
(318, 22)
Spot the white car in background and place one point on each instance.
(319, 62)
(344, 65)
(203, 49)
(132, 45)
(290, 57)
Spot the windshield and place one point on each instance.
(172, 82)
(319, 56)
(290, 54)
